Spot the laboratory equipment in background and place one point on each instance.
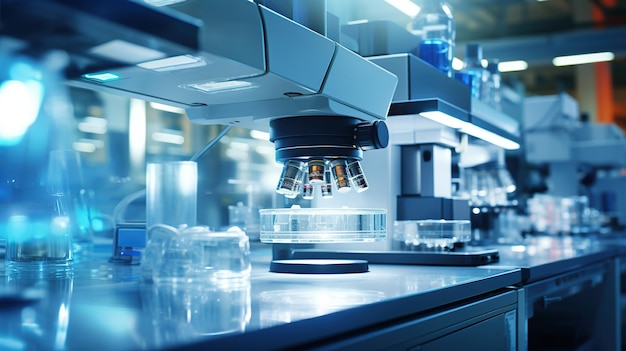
(486, 182)
(473, 73)
(492, 85)
(427, 124)
(558, 215)
(434, 23)
(583, 160)
(44, 220)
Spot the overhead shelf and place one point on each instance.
(423, 90)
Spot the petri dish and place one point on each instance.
(322, 225)
(432, 234)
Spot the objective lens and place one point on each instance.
(291, 179)
(316, 171)
(307, 192)
(327, 187)
(340, 175)
(357, 177)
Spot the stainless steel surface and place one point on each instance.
(545, 256)
(107, 306)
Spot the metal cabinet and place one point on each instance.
(486, 322)
(572, 310)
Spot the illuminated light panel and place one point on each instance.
(257, 134)
(123, 51)
(490, 137)
(583, 59)
(173, 63)
(408, 7)
(443, 118)
(102, 77)
(168, 138)
(512, 66)
(217, 87)
(167, 108)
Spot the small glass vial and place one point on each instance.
(327, 187)
(340, 175)
(316, 171)
(291, 178)
(357, 177)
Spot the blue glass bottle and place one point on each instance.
(472, 72)
(435, 24)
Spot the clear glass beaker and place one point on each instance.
(171, 201)
(65, 176)
(39, 238)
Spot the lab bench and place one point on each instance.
(500, 306)
(568, 293)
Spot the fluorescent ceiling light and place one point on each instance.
(173, 63)
(167, 108)
(168, 138)
(489, 137)
(443, 118)
(257, 134)
(512, 66)
(406, 6)
(87, 145)
(583, 59)
(93, 125)
(123, 51)
(83, 147)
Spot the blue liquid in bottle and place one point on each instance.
(435, 26)
(435, 52)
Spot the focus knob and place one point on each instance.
(371, 135)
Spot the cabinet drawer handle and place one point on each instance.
(547, 300)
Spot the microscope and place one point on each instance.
(413, 178)
(231, 62)
(584, 162)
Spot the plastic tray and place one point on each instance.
(432, 234)
(322, 225)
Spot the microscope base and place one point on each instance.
(469, 256)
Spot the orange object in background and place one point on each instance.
(605, 112)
